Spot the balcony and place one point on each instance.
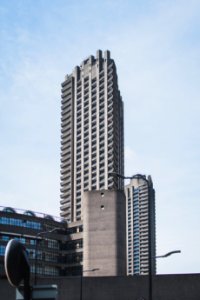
(66, 196)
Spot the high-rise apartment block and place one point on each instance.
(139, 195)
(92, 138)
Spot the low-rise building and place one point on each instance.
(54, 246)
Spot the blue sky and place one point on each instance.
(156, 46)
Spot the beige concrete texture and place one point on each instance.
(104, 233)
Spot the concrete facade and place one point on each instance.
(104, 234)
(165, 287)
(92, 132)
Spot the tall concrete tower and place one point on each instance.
(92, 132)
(139, 195)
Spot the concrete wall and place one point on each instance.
(104, 233)
(165, 287)
(6, 291)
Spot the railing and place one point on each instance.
(30, 213)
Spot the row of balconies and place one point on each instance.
(66, 100)
(66, 112)
(64, 119)
(66, 138)
(67, 84)
(66, 164)
(94, 86)
(65, 189)
(67, 151)
(65, 200)
(66, 196)
(64, 147)
(66, 184)
(66, 105)
(65, 206)
(66, 123)
(65, 213)
(66, 176)
(66, 95)
(65, 170)
(66, 129)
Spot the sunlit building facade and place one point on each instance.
(92, 133)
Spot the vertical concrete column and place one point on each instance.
(104, 235)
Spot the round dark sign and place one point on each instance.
(16, 263)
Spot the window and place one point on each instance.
(5, 238)
(20, 223)
(2, 250)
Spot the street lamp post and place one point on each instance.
(168, 254)
(40, 234)
(139, 176)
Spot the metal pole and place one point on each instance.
(81, 287)
(35, 277)
(36, 248)
(150, 244)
